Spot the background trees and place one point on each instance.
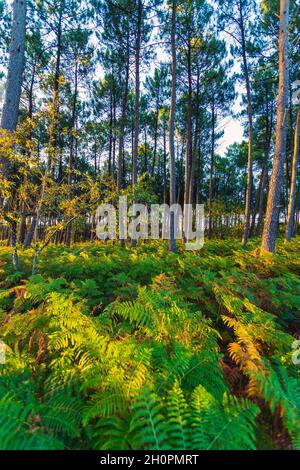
(98, 92)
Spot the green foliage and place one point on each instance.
(120, 349)
(205, 423)
(20, 429)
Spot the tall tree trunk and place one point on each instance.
(272, 214)
(165, 164)
(14, 79)
(30, 233)
(188, 150)
(199, 171)
(156, 130)
(211, 172)
(289, 151)
(194, 150)
(95, 157)
(110, 134)
(145, 151)
(114, 134)
(121, 161)
(30, 97)
(71, 154)
(172, 242)
(250, 130)
(54, 124)
(291, 208)
(260, 199)
(9, 118)
(136, 102)
(259, 205)
(123, 119)
(22, 228)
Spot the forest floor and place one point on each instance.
(114, 348)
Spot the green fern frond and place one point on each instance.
(148, 429)
(178, 419)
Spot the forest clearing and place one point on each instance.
(149, 232)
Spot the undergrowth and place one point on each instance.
(110, 348)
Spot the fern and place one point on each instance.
(19, 429)
(114, 349)
(147, 424)
(178, 419)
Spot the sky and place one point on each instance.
(233, 132)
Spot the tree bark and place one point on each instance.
(123, 119)
(194, 149)
(121, 161)
(136, 102)
(114, 134)
(272, 214)
(259, 206)
(110, 148)
(156, 130)
(211, 173)
(292, 201)
(188, 150)
(165, 164)
(172, 242)
(30, 233)
(56, 90)
(14, 79)
(71, 154)
(250, 140)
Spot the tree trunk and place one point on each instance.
(114, 134)
(30, 233)
(71, 154)
(194, 150)
(291, 208)
(259, 206)
(95, 157)
(145, 151)
(172, 242)
(136, 102)
(123, 119)
(272, 214)
(250, 141)
(260, 200)
(121, 161)
(165, 165)
(22, 229)
(188, 150)
(14, 79)
(211, 173)
(110, 148)
(156, 130)
(54, 124)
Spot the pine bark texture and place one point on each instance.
(172, 242)
(14, 80)
(272, 213)
(292, 200)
